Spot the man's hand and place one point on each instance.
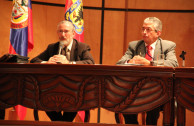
(139, 60)
(58, 59)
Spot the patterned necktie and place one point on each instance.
(148, 55)
(68, 54)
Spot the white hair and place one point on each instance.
(66, 21)
(156, 22)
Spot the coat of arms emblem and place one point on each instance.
(19, 17)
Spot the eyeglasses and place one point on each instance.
(148, 29)
(61, 31)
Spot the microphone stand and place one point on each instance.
(183, 57)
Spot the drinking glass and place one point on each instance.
(160, 60)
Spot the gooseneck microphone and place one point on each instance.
(61, 45)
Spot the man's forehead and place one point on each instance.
(65, 26)
(148, 25)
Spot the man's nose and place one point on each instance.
(144, 31)
(63, 33)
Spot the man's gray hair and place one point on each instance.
(157, 23)
(66, 21)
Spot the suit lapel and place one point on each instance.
(55, 51)
(157, 50)
(141, 50)
(72, 53)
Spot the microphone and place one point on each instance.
(61, 45)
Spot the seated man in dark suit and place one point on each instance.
(145, 52)
(66, 51)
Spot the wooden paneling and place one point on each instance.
(162, 4)
(189, 118)
(92, 31)
(113, 36)
(151, 4)
(115, 3)
(51, 1)
(92, 3)
(5, 25)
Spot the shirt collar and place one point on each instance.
(153, 45)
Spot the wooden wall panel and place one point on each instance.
(92, 3)
(51, 1)
(189, 118)
(5, 26)
(162, 4)
(113, 36)
(115, 3)
(92, 31)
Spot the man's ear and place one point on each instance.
(159, 33)
(74, 33)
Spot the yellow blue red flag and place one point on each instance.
(21, 36)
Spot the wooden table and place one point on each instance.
(56, 87)
(184, 92)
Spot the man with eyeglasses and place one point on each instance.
(78, 53)
(145, 52)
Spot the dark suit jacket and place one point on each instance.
(162, 46)
(80, 53)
